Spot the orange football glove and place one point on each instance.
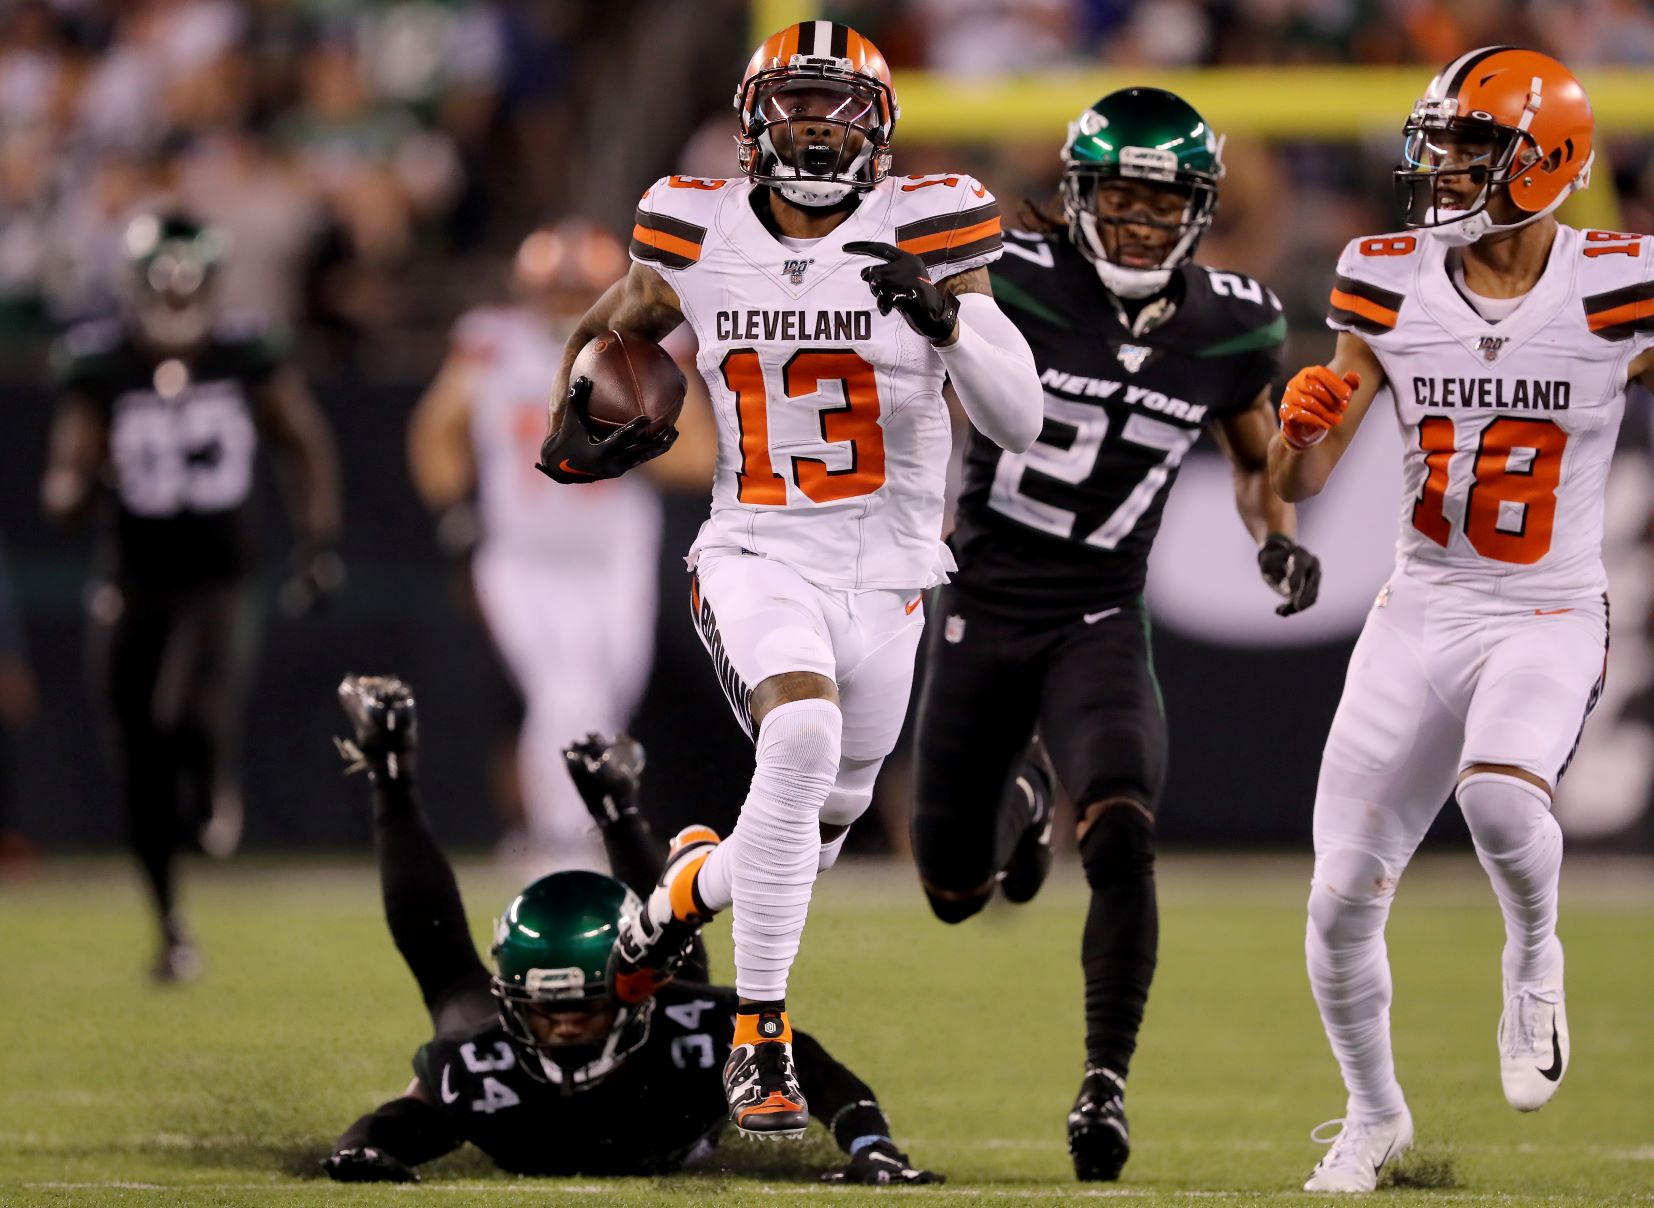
(1314, 404)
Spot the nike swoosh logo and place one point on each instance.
(915, 604)
(443, 1090)
(568, 469)
(1550, 612)
(980, 190)
(1555, 1072)
(1091, 618)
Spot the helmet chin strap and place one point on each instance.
(809, 191)
(1462, 232)
(1132, 283)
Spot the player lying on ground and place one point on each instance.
(1507, 342)
(830, 301)
(1140, 350)
(537, 1064)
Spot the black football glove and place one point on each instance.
(879, 1164)
(315, 573)
(1292, 571)
(572, 454)
(900, 284)
(367, 1164)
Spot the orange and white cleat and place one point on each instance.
(654, 940)
(760, 1081)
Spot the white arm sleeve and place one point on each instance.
(992, 369)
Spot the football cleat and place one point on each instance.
(384, 722)
(1533, 1040)
(1099, 1140)
(1030, 861)
(607, 774)
(1360, 1148)
(179, 959)
(760, 1082)
(654, 939)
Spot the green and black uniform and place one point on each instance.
(174, 559)
(1045, 617)
(660, 1100)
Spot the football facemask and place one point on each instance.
(1135, 227)
(816, 138)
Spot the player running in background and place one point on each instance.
(1141, 350)
(1506, 342)
(827, 506)
(167, 406)
(536, 1063)
(565, 579)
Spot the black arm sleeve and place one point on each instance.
(837, 1097)
(410, 1130)
(424, 910)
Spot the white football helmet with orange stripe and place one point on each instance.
(1510, 121)
(817, 113)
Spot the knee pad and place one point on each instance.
(1347, 877)
(1505, 814)
(852, 791)
(956, 910)
(798, 752)
(1119, 846)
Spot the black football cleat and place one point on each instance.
(1030, 861)
(384, 722)
(607, 774)
(761, 1084)
(1098, 1139)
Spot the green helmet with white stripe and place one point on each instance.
(1140, 186)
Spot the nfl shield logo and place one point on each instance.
(1132, 356)
(795, 270)
(954, 630)
(1489, 346)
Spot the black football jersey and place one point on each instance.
(183, 444)
(647, 1116)
(1068, 525)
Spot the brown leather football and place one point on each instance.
(630, 376)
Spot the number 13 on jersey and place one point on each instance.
(842, 389)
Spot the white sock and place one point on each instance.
(1349, 970)
(1520, 846)
(767, 866)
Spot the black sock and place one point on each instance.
(635, 858)
(1122, 933)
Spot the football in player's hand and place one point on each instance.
(630, 376)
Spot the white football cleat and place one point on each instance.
(1533, 1040)
(1359, 1151)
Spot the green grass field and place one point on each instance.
(228, 1092)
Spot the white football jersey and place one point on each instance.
(833, 437)
(513, 356)
(1509, 426)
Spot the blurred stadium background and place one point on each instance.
(376, 163)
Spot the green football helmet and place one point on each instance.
(551, 953)
(172, 271)
(1142, 134)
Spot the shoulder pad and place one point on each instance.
(1251, 293)
(480, 331)
(1618, 284)
(91, 339)
(262, 339)
(672, 218)
(1373, 274)
(951, 222)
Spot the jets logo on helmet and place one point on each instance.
(1503, 121)
(817, 112)
(1140, 186)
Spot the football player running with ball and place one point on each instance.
(534, 1062)
(1506, 342)
(830, 300)
(1141, 351)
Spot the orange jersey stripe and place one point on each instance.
(1629, 313)
(667, 243)
(1361, 306)
(957, 237)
